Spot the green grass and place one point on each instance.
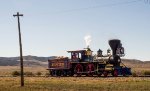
(75, 84)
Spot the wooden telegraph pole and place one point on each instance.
(20, 44)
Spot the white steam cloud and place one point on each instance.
(88, 40)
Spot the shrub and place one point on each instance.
(28, 74)
(38, 73)
(15, 73)
(134, 74)
(147, 73)
(47, 74)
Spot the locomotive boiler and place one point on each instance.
(84, 63)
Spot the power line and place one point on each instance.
(102, 6)
(147, 1)
(98, 6)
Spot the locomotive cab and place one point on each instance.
(81, 55)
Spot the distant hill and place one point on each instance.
(28, 61)
(42, 61)
(137, 65)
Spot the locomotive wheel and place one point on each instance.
(90, 68)
(99, 74)
(70, 73)
(78, 69)
(115, 73)
(64, 73)
(105, 73)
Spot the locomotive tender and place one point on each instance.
(83, 63)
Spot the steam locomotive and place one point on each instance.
(83, 63)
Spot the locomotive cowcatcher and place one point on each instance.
(83, 63)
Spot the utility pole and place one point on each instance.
(20, 44)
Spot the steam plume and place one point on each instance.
(87, 40)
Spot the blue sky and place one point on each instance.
(51, 27)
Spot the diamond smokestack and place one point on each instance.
(114, 44)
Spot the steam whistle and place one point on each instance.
(88, 47)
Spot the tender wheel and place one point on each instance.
(105, 73)
(115, 73)
(78, 69)
(52, 73)
(90, 69)
(64, 73)
(58, 73)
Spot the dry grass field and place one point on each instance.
(76, 84)
(8, 83)
(7, 70)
